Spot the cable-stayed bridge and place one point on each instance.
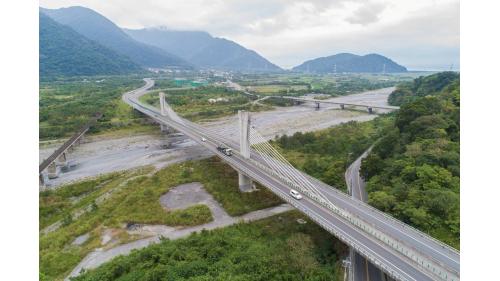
(401, 251)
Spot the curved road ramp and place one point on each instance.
(402, 252)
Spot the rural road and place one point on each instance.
(394, 262)
(221, 219)
(362, 269)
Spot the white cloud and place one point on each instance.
(419, 34)
(367, 14)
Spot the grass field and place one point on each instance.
(273, 89)
(330, 84)
(276, 248)
(114, 200)
(65, 105)
(197, 104)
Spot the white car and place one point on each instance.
(203, 139)
(295, 194)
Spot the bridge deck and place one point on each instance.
(68, 143)
(337, 102)
(392, 262)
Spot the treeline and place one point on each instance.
(351, 86)
(413, 171)
(64, 52)
(423, 86)
(326, 154)
(277, 248)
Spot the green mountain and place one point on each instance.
(413, 171)
(98, 28)
(424, 86)
(64, 52)
(203, 50)
(346, 62)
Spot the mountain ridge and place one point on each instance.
(204, 50)
(97, 27)
(65, 52)
(347, 62)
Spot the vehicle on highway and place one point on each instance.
(203, 139)
(226, 150)
(295, 194)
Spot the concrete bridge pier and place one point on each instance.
(41, 179)
(52, 170)
(317, 105)
(62, 161)
(165, 129)
(370, 110)
(342, 106)
(244, 182)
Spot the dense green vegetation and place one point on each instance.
(277, 101)
(424, 86)
(98, 28)
(413, 172)
(64, 52)
(204, 102)
(277, 248)
(65, 105)
(68, 103)
(326, 154)
(114, 200)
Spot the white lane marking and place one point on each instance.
(376, 218)
(357, 207)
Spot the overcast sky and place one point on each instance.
(423, 34)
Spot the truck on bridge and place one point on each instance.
(226, 150)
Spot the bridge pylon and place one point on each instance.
(163, 111)
(244, 182)
(163, 108)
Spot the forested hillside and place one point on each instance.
(203, 50)
(98, 28)
(326, 154)
(346, 62)
(64, 52)
(413, 172)
(424, 86)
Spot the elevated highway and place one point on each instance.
(60, 153)
(399, 250)
(342, 105)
